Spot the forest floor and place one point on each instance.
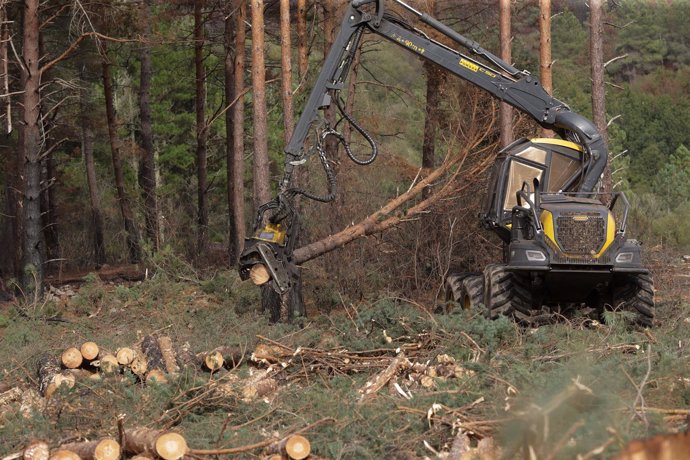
(383, 378)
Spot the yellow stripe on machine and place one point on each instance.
(561, 142)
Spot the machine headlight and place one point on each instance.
(535, 256)
(624, 258)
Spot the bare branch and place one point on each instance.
(610, 61)
(612, 120)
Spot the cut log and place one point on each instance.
(139, 366)
(232, 356)
(89, 351)
(105, 449)
(63, 454)
(156, 375)
(48, 368)
(125, 356)
(297, 447)
(141, 441)
(168, 354)
(213, 360)
(171, 446)
(37, 450)
(269, 354)
(108, 364)
(382, 378)
(259, 274)
(72, 358)
(152, 352)
(146, 442)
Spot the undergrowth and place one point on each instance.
(597, 384)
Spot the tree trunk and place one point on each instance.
(302, 56)
(147, 165)
(4, 43)
(434, 79)
(201, 129)
(506, 111)
(87, 139)
(234, 123)
(49, 209)
(286, 68)
(598, 90)
(32, 264)
(262, 188)
(545, 71)
(131, 230)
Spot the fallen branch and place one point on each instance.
(258, 445)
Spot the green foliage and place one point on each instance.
(672, 182)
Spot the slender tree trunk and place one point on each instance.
(147, 164)
(262, 189)
(234, 123)
(50, 214)
(286, 68)
(32, 264)
(131, 230)
(433, 86)
(302, 57)
(87, 140)
(4, 43)
(201, 129)
(545, 51)
(506, 111)
(598, 91)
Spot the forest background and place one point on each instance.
(142, 140)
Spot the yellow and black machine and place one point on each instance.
(563, 246)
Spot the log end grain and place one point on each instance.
(89, 350)
(214, 360)
(297, 447)
(63, 454)
(171, 446)
(125, 356)
(108, 449)
(72, 358)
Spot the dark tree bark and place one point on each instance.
(49, 209)
(133, 245)
(545, 71)
(286, 68)
(234, 123)
(147, 165)
(506, 111)
(598, 91)
(433, 86)
(4, 44)
(201, 129)
(32, 261)
(262, 188)
(302, 56)
(87, 140)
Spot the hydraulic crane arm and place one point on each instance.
(517, 88)
(500, 79)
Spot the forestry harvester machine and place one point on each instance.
(562, 245)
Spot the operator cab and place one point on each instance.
(552, 165)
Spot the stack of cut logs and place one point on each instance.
(139, 443)
(151, 359)
(146, 444)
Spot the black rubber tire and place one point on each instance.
(636, 294)
(464, 291)
(507, 294)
